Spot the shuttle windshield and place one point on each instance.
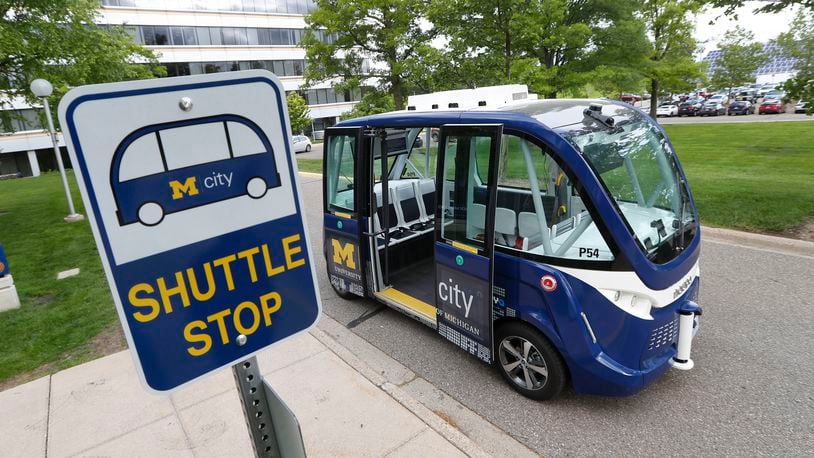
(638, 168)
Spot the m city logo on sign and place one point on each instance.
(189, 186)
(197, 217)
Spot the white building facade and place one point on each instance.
(194, 37)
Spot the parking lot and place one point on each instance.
(751, 392)
(788, 116)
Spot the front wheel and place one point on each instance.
(528, 362)
(307, 148)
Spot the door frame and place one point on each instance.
(495, 132)
(359, 197)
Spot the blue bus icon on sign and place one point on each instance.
(171, 167)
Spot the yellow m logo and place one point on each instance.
(343, 254)
(188, 187)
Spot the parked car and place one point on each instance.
(631, 98)
(719, 98)
(800, 107)
(690, 107)
(741, 107)
(667, 109)
(748, 95)
(712, 109)
(772, 106)
(775, 94)
(301, 143)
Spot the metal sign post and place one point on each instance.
(196, 209)
(274, 429)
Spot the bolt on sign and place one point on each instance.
(196, 210)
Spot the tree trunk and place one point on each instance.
(654, 97)
(508, 57)
(395, 90)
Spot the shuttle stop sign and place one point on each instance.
(195, 205)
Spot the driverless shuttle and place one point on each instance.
(555, 239)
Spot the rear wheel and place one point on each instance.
(307, 148)
(529, 362)
(150, 213)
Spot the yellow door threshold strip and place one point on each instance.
(405, 300)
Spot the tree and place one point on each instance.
(373, 102)
(481, 28)
(58, 40)
(770, 6)
(298, 113)
(739, 59)
(569, 39)
(798, 43)
(671, 65)
(384, 31)
(553, 46)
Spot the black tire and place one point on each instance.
(541, 354)
(307, 148)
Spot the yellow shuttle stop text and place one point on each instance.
(152, 299)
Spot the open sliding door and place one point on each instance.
(464, 236)
(343, 182)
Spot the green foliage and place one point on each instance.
(553, 46)
(670, 66)
(373, 102)
(798, 42)
(298, 113)
(58, 40)
(740, 58)
(385, 31)
(58, 318)
(770, 6)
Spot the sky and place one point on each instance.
(764, 26)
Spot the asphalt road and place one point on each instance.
(751, 392)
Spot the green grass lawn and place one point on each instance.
(751, 176)
(310, 165)
(57, 319)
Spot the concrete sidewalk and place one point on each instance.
(345, 408)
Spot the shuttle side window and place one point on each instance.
(245, 141)
(423, 156)
(545, 205)
(142, 158)
(340, 167)
(176, 143)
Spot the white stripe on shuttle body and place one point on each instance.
(627, 291)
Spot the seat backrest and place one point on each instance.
(392, 214)
(528, 226)
(505, 226)
(477, 216)
(408, 204)
(425, 189)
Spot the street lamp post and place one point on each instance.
(43, 89)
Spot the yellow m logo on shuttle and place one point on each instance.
(343, 253)
(179, 189)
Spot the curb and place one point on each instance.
(447, 431)
(759, 241)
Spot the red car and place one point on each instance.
(631, 98)
(772, 106)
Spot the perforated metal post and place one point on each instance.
(255, 408)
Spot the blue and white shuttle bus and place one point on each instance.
(555, 239)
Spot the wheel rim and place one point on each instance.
(523, 363)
